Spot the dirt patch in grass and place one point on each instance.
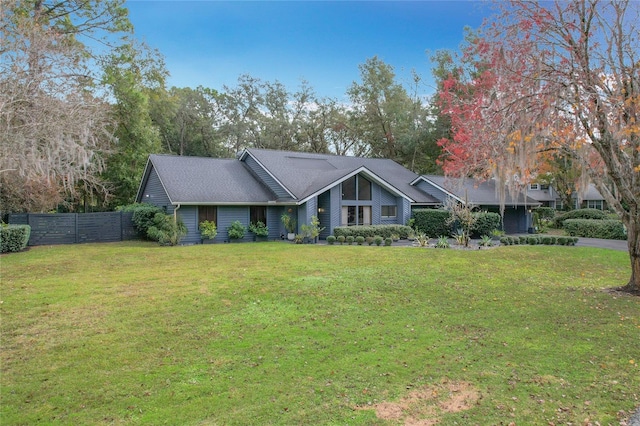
(424, 406)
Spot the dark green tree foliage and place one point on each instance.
(131, 72)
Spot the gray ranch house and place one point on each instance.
(262, 185)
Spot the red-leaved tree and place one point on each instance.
(561, 78)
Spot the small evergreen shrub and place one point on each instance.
(331, 240)
(166, 230)
(532, 241)
(350, 239)
(546, 213)
(514, 241)
(590, 228)
(340, 239)
(378, 240)
(505, 241)
(431, 221)
(236, 230)
(359, 240)
(485, 223)
(14, 238)
(388, 241)
(561, 241)
(369, 240)
(545, 240)
(522, 239)
(143, 216)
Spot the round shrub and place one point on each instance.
(340, 239)
(369, 240)
(561, 241)
(378, 240)
(505, 241)
(350, 239)
(532, 240)
(388, 241)
(546, 241)
(522, 239)
(331, 240)
(431, 221)
(360, 240)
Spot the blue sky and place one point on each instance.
(212, 43)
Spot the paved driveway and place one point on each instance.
(596, 242)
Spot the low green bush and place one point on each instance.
(378, 240)
(546, 213)
(388, 241)
(533, 240)
(143, 216)
(350, 239)
(373, 230)
(590, 228)
(166, 230)
(369, 240)
(331, 240)
(522, 239)
(14, 238)
(431, 221)
(340, 239)
(359, 240)
(580, 214)
(561, 241)
(485, 223)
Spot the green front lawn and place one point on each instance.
(276, 333)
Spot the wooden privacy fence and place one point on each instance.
(73, 228)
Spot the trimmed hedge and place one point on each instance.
(14, 238)
(580, 214)
(545, 213)
(432, 222)
(385, 231)
(485, 223)
(143, 216)
(535, 240)
(592, 228)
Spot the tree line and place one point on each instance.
(84, 103)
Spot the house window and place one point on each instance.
(356, 188)
(209, 213)
(258, 214)
(349, 189)
(595, 204)
(356, 215)
(364, 189)
(388, 212)
(534, 186)
(544, 187)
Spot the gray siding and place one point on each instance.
(155, 194)
(324, 203)
(403, 218)
(276, 229)
(388, 199)
(266, 178)
(189, 215)
(335, 207)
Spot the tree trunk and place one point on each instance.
(633, 242)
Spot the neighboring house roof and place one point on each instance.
(200, 180)
(591, 194)
(478, 193)
(305, 175)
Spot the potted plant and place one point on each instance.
(236, 231)
(289, 223)
(208, 231)
(260, 230)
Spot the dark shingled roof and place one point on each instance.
(478, 193)
(304, 174)
(199, 180)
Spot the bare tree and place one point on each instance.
(54, 130)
